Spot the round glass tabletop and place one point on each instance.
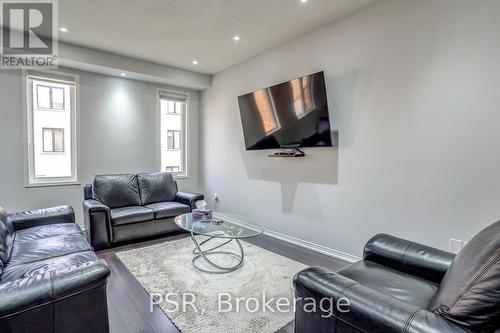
(221, 225)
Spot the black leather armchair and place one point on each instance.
(402, 286)
(50, 280)
(124, 207)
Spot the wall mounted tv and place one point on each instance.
(288, 115)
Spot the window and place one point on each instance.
(53, 140)
(51, 123)
(49, 97)
(172, 139)
(172, 169)
(173, 107)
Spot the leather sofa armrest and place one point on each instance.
(32, 292)
(97, 219)
(189, 198)
(38, 217)
(87, 192)
(409, 257)
(360, 308)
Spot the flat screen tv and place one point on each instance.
(291, 114)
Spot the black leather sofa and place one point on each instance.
(402, 286)
(124, 207)
(50, 280)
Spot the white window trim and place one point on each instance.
(30, 181)
(185, 136)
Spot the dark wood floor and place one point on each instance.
(129, 304)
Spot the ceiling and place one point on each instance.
(176, 32)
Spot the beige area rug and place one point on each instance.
(165, 269)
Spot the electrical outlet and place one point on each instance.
(456, 245)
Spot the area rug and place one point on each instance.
(252, 298)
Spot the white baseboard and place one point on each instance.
(349, 258)
(313, 247)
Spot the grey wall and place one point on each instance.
(107, 63)
(117, 134)
(413, 89)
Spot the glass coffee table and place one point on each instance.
(226, 228)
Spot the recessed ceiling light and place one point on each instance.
(195, 62)
(236, 38)
(63, 29)
(123, 74)
(303, 1)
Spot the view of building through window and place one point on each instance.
(50, 129)
(172, 135)
(53, 140)
(173, 139)
(173, 169)
(50, 97)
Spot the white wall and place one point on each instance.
(413, 89)
(117, 134)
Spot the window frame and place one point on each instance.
(28, 130)
(185, 174)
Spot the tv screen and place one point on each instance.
(292, 114)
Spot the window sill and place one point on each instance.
(181, 176)
(49, 110)
(52, 184)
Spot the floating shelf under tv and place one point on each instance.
(288, 153)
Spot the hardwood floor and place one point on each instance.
(129, 307)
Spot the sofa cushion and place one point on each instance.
(46, 231)
(6, 238)
(405, 287)
(156, 187)
(469, 293)
(127, 232)
(131, 214)
(168, 209)
(14, 272)
(26, 251)
(117, 191)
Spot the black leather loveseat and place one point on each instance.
(401, 286)
(50, 280)
(123, 207)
